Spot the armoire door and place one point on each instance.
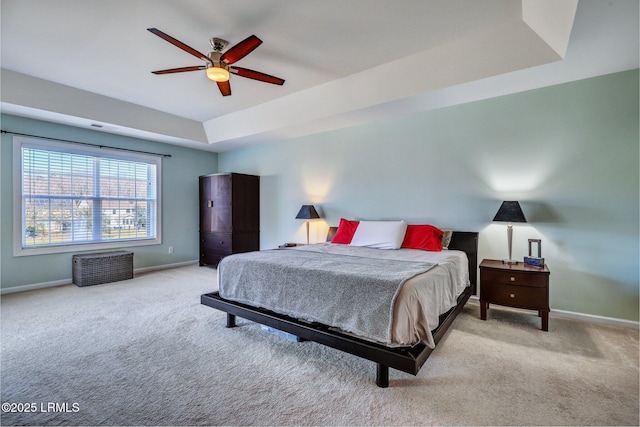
(215, 203)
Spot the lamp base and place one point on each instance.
(509, 261)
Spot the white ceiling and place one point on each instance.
(84, 62)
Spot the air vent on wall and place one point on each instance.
(103, 127)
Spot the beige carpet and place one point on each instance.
(145, 352)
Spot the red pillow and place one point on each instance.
(424, 236)
(346, 230)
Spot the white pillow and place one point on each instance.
(380, 234)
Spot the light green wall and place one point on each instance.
(568, 153)
(179, 203)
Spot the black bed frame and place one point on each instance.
(406, 359)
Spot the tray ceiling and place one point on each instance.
(89, 62)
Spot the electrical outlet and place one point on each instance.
(170, 249)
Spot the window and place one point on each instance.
(71, 197)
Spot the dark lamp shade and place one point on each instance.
(510, 212)
(307, 212)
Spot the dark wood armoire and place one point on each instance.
(229, 216)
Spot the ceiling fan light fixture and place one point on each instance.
(218, 73)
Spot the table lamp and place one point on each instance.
(510, 212)
(307, 212)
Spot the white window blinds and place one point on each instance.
(78, 196)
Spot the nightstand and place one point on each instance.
(514, 285)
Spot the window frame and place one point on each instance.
(94, 151)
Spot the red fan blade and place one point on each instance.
(225, 88)
(179, 44)
(256, 75)
(180, 70)
(241, 50)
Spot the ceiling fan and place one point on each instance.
(218, 63)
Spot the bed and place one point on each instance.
(265, 287)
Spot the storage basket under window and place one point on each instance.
(103, 267)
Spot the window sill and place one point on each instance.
(48, 250)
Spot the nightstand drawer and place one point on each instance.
(515, 278)
(514, 295)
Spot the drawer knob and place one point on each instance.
(513, 279)
(512, 295)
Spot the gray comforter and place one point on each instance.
(352, 293)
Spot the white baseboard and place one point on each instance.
(69, 281)
(33, 287)
(590, 318)
(164, 266)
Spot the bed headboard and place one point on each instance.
(466, 241)
(331, 233)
